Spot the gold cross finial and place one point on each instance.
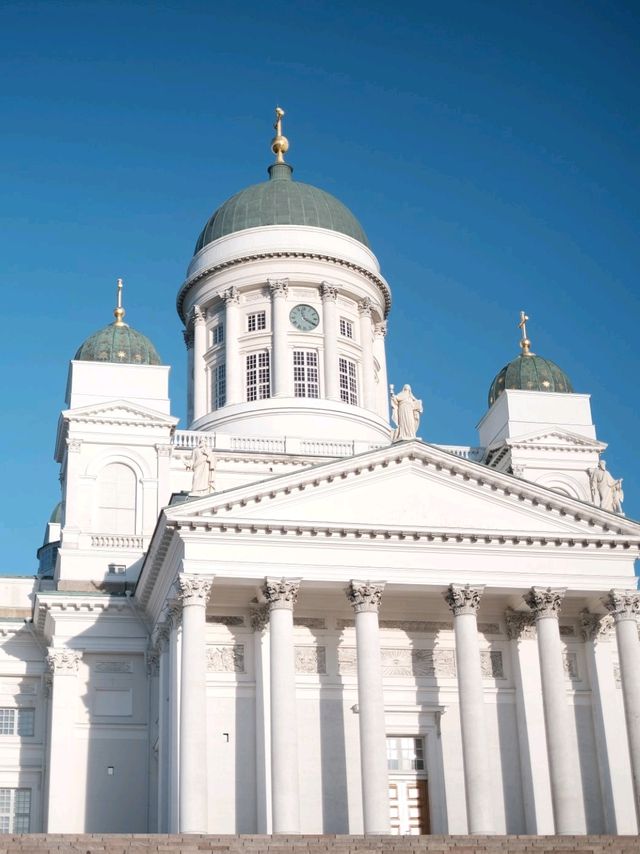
(280, 143)
(119, 312)
(525, 343)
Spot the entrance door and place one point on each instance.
(408, 792)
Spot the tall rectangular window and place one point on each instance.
(348, 381)
(346, 328)
(217, 334)
(256, 322)
(15, 810)
(17, 721)
(305, 373)
(258, 376)
(219, 386)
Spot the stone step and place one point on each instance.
(97, 843)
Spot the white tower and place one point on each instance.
(285, 314)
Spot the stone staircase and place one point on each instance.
(34, 843)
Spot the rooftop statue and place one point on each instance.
(405, 413)
(606, 491)
(202, 464)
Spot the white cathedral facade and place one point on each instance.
(290, 619)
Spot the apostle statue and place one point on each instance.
(606, 491)
(203, 466)
(405, 412)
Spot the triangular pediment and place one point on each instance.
(409, 485)
(555, 438)
(118, 412)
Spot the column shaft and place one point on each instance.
(233, 364)
(285, 788)
(193, 706)
(625, 607)
(280, 368)
(563, 761)
(330, 329)
(382, 391)
(464, 602)
(199, 370)
(365, 598)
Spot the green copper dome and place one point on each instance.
(56, 513)
(529, 372)
(119, 343)
(281, 201)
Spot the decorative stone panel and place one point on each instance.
(225, 658)
(404, 663)
(570, 661)
(115, 666)
(491, 664)
(223, 620)
(311, 659)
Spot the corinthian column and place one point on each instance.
(366, 342)
(194, 593)
(199, 371)
(281, 370)
(233, 367)
(62, 816)
(281, 594)
(365, 598)
(624, 606)
(464, 603)
(563, 761)
(382, 392)
(329, 295)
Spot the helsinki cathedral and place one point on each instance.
(296, 616)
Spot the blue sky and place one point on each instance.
(490, 150)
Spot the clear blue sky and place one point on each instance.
(490, 150)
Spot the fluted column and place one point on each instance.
(63, 665)
(624, 606)
(199, 372)
(379, 352)
(164, 730)
(233, 365)
(281, 594)
(329, 296)
(188, 343)
(365, 599)
(563, 761)
(366, 342)
(464, 602)
(260, 624)
(281, 370)
(193, 593)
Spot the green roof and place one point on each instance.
(118, 343)
(529, 372)
(281, 201)
(56, 513)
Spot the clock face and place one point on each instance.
(304, 317)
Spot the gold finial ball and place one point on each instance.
(279, 145)
(525, 344)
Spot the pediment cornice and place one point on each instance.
(555, 439)
(120, 412)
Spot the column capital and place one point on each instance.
(464, 599)
(521, 625)
(278, 287)
(380, 329)
(328, 292)
(545, 601)
(623, 605)
(595, 627)
(198, 314)
(63, 660)
(153, 662)
(365, 307)
(364, 595)
(259, 617)
(187, 334)
(194, 589)
(281, 592)
(231, 296)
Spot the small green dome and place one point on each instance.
(56, 513)
(118, 343)
(280, 201)
(529, 372)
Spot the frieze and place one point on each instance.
(310, 622)
(114, 666)
(226, 658)
(407, 663)
(225, 620)
(311, 659)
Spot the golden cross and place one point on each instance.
(280, 143)
(278, 125)
(119, 312)
(523, 324)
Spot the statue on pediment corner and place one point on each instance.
(405, 413)
(606, 491)
(203, 465)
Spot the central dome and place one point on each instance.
(281, 201)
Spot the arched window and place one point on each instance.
(117, 500)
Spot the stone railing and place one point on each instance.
(117, 541)
(189, 439)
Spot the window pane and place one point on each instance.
(258, 376)
(26, 721)
(305, 374)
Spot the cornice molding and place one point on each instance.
(267, 256)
